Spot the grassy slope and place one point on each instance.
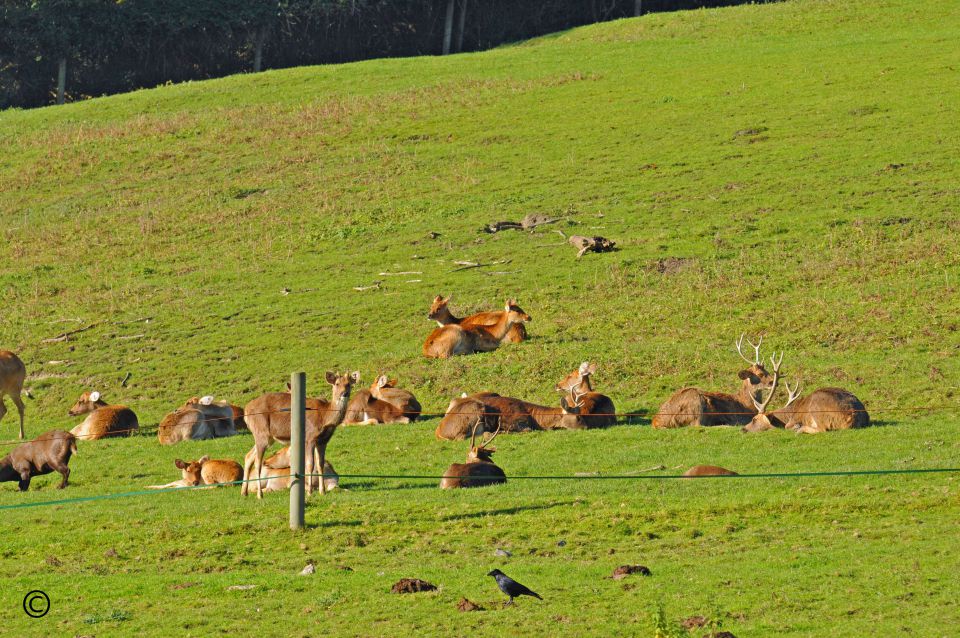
(832, 230)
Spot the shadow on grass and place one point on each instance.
(505, 510)
(635, 418)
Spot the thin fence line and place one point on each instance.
(83, 499)
(157, 427)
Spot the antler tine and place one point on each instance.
(756, 349)
(793, 392)
(473, 436)
(762, 407)
(487, 442)
(776, 362)
(576, 396)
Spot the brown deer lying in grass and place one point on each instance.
(463, 415)
(691, 406)
(453, 339)
(12, 375)
(197, 419)
(218, 414)
(440, 312)
(386, 389)
(820, 411)
(268, 418)
(708, 470)
(522, 415)
(204, 471)
(365, 409)
(597, 410)
(276, 471)
(479, 470)
(102, 420)
(49, 452)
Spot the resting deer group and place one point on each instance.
(459, 339)
(440, 312)
(382, 403)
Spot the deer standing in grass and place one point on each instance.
(453, 339)
(440, 312)
(12, 375)
(692, 406)
(597, 410)
(820, 411)
(103, 419)
(268, 418)
(479, 470)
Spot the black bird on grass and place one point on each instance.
(511, 587)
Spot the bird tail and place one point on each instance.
(536, 595)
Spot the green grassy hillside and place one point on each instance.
(786, 170)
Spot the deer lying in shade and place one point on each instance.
(49, 452)
(596, 410)
(692, 406)
(204, 471)
(479, 470)
(440, 312)
(102, 420)
(453, 339)
(820, 411)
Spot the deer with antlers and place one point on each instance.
(454, 339)
(479, 470)
(12, 375)
(820, 411)
(268, 418)
(692, 406)
(440, 312)
(596, 410)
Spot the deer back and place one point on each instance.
(824, 410)
(107, 421)
(463, 414)
(183, 424)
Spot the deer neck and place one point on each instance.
(445, 317)
(584, 386)
(335, 416)
(746, 395)
(500, 329)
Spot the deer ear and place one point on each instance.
(331, 378)
(94, 396)
(355, 377)
(180, 464)
(463, 395)
(592, 368)
(203, 459)
(584, 368)
(382, 380)
(744, 374)
(207, 400)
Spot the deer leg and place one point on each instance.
(24, 482)
(248, 461)
(20, 408)
(322, 451)
(3, 406)
(65, 472)
(261, 450)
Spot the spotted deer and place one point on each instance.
(268, 418)
(453, 339)
(440, 312)
(597, 410)
(103, 420)
(479, 470)
(692, 406)
(12, 375)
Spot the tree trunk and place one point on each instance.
(258, 50)
(463, 24)
(448, 27)
(62, 81)
(637, 7)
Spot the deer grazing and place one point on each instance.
(454, 339)
(268, 418)
(49, 452)
(204, 471)
(597, 410)
(820, 411)
(12, 375)
(479, 470)
(386, 389)
(102, 420)
(691, 406)
(440, 312)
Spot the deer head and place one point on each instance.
(482, 453)
(761, 422)
(88, 402)
(342, 384)
(515, 313)
(439, 310)
(192, 470)
(755, 378)
(577, 378)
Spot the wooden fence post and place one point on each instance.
(298, 400)
(61, 80)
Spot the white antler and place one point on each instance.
(756, 350)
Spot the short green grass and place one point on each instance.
(799, 157)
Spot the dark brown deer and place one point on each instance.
(454, 339)
(49, 452)
(12, 375)
(386, 390)
(103, 419)
(820, 411)
(440, 312)
(465, 414)
(268, 418)
(597, 410)
(479, 470)
(691, 406)
(708, 470)
(520, 415)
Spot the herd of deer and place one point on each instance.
(268, 416)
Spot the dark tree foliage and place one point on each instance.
(118, 45)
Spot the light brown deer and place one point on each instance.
(454, 340)
(691, 406)
(463, 415)
(268, 418)
(204, 471)
(520, 415)
(12, 375)
(440, 312)
(820, 411)
(708, 470)
(365, 409)
(218, 414)
(479, 470)
(386, 390)
(103, 419)
(276, 471)
(597, 410)
(183, 424)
